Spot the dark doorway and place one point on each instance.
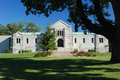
(60, 43)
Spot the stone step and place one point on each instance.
(62, 54)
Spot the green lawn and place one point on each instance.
(26, 67)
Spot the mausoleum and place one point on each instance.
(66, 40)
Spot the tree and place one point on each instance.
(32, 27)
(12, 28)
(79, 12)
(2, 29)
(22, 26)
(48, 40)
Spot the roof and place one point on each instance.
(82, 33)
(62, 23)
(41, 33)
(32, 33)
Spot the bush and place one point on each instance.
(88, 54)
(94, 55)
(25, 51)
(42, 54)
(93, 50)
(49, 53)
(8, 51)
(75, 51)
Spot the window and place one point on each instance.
(92, 40)
(35, 40)
(101, 40)
(27, 40)
(17, 40)
(58, 33)
(75, 40)
(83, 40)
(62, 33)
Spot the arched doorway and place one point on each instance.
(60, 43)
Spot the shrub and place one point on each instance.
(42, 54)
(94, 55)
(19, 51)
(93, 50)
(38, 54)
(82, 53)
(25, 51)
(8, 51)
(75, 51)
(88, 54)
(49, 52)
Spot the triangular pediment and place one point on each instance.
(17, 33)
(60, 24)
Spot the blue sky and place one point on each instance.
(13, 11)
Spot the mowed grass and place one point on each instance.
(26, 67)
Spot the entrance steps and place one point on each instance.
(60, 49)
(62, 54)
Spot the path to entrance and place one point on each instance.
(62, 54)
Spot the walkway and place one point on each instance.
(62, 54)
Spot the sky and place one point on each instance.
(13, 11)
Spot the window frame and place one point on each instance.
(83, 40)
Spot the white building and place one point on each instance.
(66, 40)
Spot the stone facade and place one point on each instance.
(66, 40)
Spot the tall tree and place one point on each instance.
(32, 27)
(79, 13)
(12, 28)
(22, 26)
(2, 30)
(48, 40)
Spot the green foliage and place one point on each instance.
(32, 27)
(25, 51)
(42, 54)
(8, 51)
(93, 50)
(39, 7)
(22, 26)
(48, 40)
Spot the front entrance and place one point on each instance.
(60, 43)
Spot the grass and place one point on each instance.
(25, 67)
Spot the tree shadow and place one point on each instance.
(58, 69)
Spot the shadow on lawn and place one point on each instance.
(62, 69)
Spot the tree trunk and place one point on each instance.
(115, 41)
(115, 55)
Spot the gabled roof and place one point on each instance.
(18, 33)
(62, 23)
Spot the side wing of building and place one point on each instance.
(24, 41)
(5, 42)
(90, 41)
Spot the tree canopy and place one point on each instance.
(22, 26)
(79, 12)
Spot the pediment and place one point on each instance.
(17, 33)
(60, 25)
